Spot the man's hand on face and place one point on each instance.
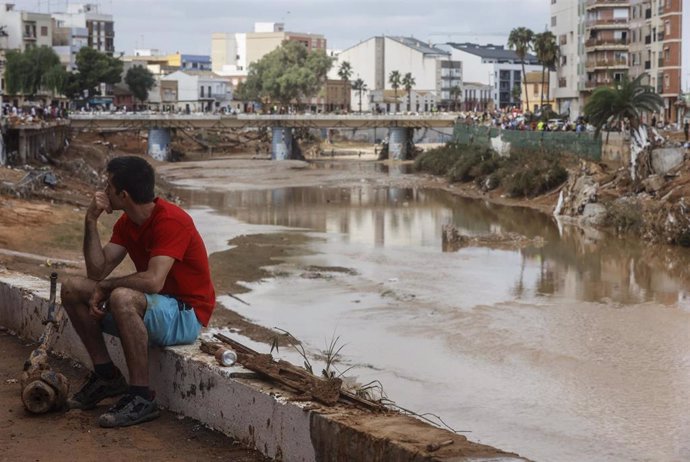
(97, 302)
(98, 205)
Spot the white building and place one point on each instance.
(374, 59)
(200, 91)
(19, 30)
(565, 23)
(100, 26)
(25, 29)
(492, 65)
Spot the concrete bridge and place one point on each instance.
(401, 127)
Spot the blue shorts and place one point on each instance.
(168, 321)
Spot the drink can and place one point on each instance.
(226, 356)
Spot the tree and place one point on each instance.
(33, 70)
(359, 86)
(94, 68)
(547, 52)
(520, 40)
(395, 79)
(628, 99)
(345, 72)
(455, 93)
(140, 81)
(286, 74)
(408, 82)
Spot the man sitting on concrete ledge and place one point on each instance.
(166, 302)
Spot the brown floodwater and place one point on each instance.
(578, 350)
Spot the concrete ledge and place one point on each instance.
(189, 382)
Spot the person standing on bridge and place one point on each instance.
(165, 302)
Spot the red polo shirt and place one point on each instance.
(170, 231)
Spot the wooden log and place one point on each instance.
(328, 392)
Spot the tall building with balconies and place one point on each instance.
(607, 34)
(656, 47)
(602, 40)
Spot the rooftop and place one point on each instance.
(490, 51)
(425, 48)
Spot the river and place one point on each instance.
(578, 350)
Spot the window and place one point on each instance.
(553, 21)
(202, 91)
(44, 31)
(620, 13)
(535, 89)
(564, 60)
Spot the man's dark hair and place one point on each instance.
(134, 175)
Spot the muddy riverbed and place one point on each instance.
(575, 350)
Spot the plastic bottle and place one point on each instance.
(226, 356)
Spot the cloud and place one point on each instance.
(187, 25)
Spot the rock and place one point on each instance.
(578, 192)
(653, 183)
(593, 214)
(666, 159)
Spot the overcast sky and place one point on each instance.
(186, 25)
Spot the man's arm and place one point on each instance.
(150, 281)
(100, 260)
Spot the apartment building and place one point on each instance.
(100, 27)
(25, 29)
(493, 66)
(603, 40)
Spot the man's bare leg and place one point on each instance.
(75, 295)
(128, 307)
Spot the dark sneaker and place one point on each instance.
(96, 389)
(130, 410)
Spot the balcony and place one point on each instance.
(597, 64)
(597, 83)
(607, 3)
(607, 23)
(607, 43)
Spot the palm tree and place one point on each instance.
(455, 93)
(628, 99)
(359, 86)
(520, 40)
(394, 80)
(408, 82)
(345, 72)
(547, 53)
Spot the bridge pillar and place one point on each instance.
(399, 143)
(281, 146)
(158, 143)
